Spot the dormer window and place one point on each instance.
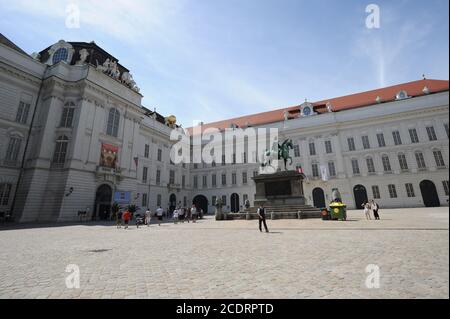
(60, 55)
(306, 109)
(401, 95)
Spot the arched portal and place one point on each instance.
(429, 194)
(172, 203)
(201, 201)
(360, 193)
(103, 199)
(319, 198)
(234, 199)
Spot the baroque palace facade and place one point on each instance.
(74, 136)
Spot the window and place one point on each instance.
(431, 133)
(413, 135)
(184, 201)
(312, 149)
(244, 178)
(5, 191)
(444, 184)
(158, 200)
(195, 181)
(144, 200)
(214, 180)
(183, 181)
(158, 177)
(144, 174)
(392, 191)
(195, 166)
(234, 159)
(328, 147)
(244, 156)
(233, 179)
(410, 190)
(12, 152)
(397, 138)
(59, 157)
(224, 199)
(365, 141)
(355, 167)
(67, 117)
(296, 150)
(403, 162)
(223, 160)
(331, 169)
(380, 139)
(224, 179)
(113, 123)
(351, 144)
(171, 177)
(438, 158)
(147, 151)
(376, 192)
(213, 164)
(204, 181)
(420, 160)
(446, 129)
(386, 163)
(22, 113)
(370, 165)
(159, 155)
(60, 55)
(315, 170)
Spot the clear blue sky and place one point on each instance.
(214, 59)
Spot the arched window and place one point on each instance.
(370, 165)
(12, 153)
(60, 55)
(5, 192)
(67, 115)
(113, 123)
(402, 161)
(386, 163)
(438, 158)
(60, 150)
(420, 160)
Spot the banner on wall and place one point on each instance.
(108, 156)
(122, 197)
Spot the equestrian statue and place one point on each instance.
(281, 153)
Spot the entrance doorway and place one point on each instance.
(172, 203)
(201, 201)
(319, 198)
(234, 203)
(429, 194)
(360, 193)
(103, 199)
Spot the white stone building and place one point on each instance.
(74, 136)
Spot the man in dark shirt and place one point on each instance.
(262, 218)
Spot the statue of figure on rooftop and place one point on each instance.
(83, 56)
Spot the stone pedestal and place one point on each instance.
(280, 188)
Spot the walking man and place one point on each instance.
(262, 218)
(159, 214)
(375, 209)
(126, 218)
(194, 213)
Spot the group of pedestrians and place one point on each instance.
(371, 207)
(182, 214)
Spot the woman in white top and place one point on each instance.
(148, 217)
(367, 210)
(175, 216)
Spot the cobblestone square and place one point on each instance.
(232, 259)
